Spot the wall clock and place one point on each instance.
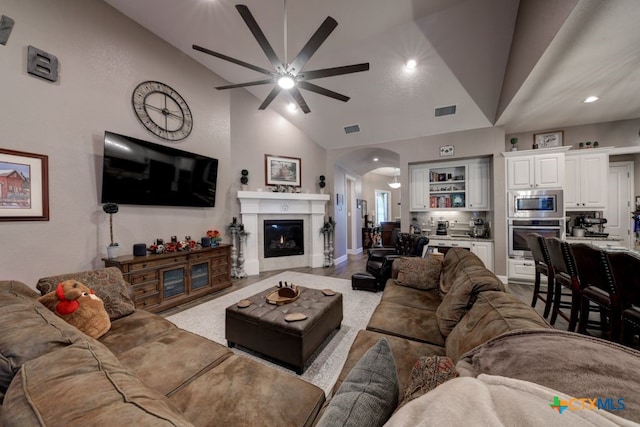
(162, 110)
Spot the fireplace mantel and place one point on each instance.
(256, 204)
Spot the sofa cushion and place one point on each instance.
(427, 373)
(405, 353)
(492, 314)
(369, 394)
(586, 366)
(148, 344)
(406, 322)
(107, 283)
(28, 330)
(470, 280)
(243, 392)
(411, 297)
(455, 259)
(84, 384)
(419, 273)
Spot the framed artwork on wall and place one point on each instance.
(24, 186)
(549, 139)
(358, 203)
(364, 208)
(281, 170)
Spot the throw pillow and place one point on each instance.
(428, 373)
(369, 394)
(107, 283)
(419, 273)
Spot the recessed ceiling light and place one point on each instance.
(411, 64)
(590, 99)
(291, 107)
(375, 159)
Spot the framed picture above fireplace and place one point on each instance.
(281, 170)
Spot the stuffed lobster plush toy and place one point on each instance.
(79, 306)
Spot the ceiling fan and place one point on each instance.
(289, 76)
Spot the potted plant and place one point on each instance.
(244, 179)
(514, 141)
(322, 184)
(113, 248)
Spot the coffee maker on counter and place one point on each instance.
(588, 226)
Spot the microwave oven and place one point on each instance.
(535, 204)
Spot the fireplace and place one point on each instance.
(283, 237)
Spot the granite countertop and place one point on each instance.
(462, 237)
(603, 239)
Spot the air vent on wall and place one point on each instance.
(351, 129)
(445, 111)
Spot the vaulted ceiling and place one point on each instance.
(525, 65)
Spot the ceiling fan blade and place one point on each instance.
(274, 92)
(313, 44)
(322, 91)
(335, 71)
(235, 61)
(259, 35)
(256, 83)
(299, 99)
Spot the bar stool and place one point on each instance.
(597, 286)
(566, 275)
(625, 268)
(542, 261)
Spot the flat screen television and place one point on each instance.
(137, 172)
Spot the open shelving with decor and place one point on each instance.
(462, 185)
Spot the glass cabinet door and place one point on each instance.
(200, 275)
(173, 281)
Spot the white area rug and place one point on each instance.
(207, 320)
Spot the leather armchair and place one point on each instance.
(380, 260)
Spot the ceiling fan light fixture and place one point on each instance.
(411, 64)
(286, 82)
(590, 99)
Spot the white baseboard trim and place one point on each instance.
(343, 258)
(503, 279)
(354, 251)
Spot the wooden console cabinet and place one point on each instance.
(163, 281)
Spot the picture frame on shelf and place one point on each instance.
(24, 186)
(549, 139)
(282, 170)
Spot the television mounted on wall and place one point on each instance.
(137, 172)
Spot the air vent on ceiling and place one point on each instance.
(445, 111)
(351, 129)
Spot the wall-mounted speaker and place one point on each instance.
(139, 249)
(6, 25)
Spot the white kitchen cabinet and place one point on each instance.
(484, 251)
(418, 191)
(478, 185)
(535, 171)
(521, 270)
(586, 175)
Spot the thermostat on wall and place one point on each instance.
(446, 150)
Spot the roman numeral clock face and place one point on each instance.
(162, 110)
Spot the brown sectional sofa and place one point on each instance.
(144, 371)
(469, 317)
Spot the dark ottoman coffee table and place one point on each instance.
(262, 327)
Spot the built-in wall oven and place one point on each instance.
(536, 204)
(519, 228)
